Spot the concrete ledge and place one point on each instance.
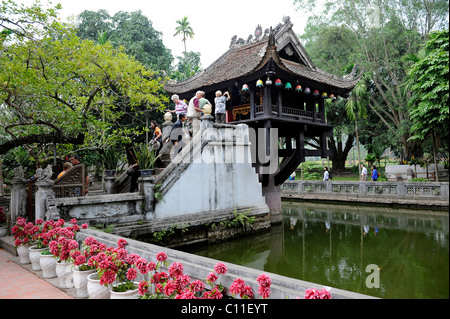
(198, 267)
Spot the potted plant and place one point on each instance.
(110, 157)
(3, 227)
(22, 239)
(146, 158)
(40, 240)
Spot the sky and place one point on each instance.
(214, 23)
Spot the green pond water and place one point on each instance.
(332, 245)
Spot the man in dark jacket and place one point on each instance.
(176, 134)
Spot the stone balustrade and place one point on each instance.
(388, 192)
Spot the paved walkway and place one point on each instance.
(19, 281)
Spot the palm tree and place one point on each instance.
(184, 28)
(356, 108)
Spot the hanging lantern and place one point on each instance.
(298, 88)
(316, 93)
(278, 83)
(245, 88)
(288, 86)
(268, 81)
(324, 95)
(259, 84)
(307, 90)
(332, 96)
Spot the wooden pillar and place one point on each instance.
(267, 100)
(252, 103)
(314, 110)
(280, 103)
(322, 110)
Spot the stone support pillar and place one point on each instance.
(147, 188)
(19, 196)
(109, 184)
(44, 192)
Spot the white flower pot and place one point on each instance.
(129, 294)
(48, 266)
(35, 254)
(80, 281)
(64, 273)
(24, 254)
(95, 290)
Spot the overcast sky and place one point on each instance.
(214, 23)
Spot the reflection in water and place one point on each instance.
(332, 245)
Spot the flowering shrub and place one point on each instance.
(162, 279)
(22, 232)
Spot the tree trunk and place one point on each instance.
(436, 171)
(357, 146)
(340, 155)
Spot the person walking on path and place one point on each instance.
(374, 173)
(363, 173)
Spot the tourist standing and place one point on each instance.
(220, 103)
(363, 173)
(326, 174)
(180, 106)
(176, 134)
(66, 167)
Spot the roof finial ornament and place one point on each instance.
(258, 32)
(271, 38)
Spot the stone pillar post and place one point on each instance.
(147, 188)
(207, 118)
(19, 196)
(109, 184)
(44, 192)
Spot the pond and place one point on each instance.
(382, 252)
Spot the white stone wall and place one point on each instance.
(213, 173)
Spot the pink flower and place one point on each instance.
(187, 294)
(84, 226)
(151, 266)
(176, 270)
(212, 277)
(122, 243)
(237, 286)
(220, 268)
(213, 294)
(313, 293)
(131, 274)
(73, 221)
(247, 292)
(161, 256)
(142, 265)
(108, 277)
(197, 286)
(264, 280)
(79, 260)
(143, 287)
(184, 280)
(39, 221)
(170, 287)
(264, 292)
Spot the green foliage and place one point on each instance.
(184, 28)
(240, 219)
(430, 89)
(145, 156)
(132, 30)
(61, 89)
(110, 157)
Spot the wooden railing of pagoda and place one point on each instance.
(287, 112)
